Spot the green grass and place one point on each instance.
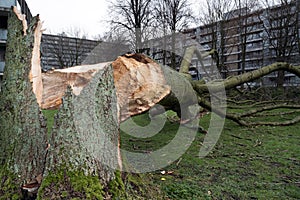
(246, 163)
(49, 115)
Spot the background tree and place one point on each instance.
(114, 35)
(174, 15)
(214, 18)
(281, 27)
(135, 17)
(244, 8)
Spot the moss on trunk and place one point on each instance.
(66, 183)
(22, 127)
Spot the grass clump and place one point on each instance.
(116, 187)
(49, 115)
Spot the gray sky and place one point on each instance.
(62, 15)
(59, 15)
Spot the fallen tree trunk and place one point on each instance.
(139, 82)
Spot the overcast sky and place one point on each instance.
(61, 15)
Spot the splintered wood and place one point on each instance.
(35, 74)
(139, 82)
(55, 83)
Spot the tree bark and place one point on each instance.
(22, 126)
(80, 157)
(234, 81)
(84, 142)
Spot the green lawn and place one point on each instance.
(246, 163)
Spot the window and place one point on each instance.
(2, 53)
(3, 22)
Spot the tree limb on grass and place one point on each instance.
(267, 108)
(239, 118)
(276, 114)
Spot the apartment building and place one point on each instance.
(244, 40)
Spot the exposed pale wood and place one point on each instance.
(55, 83)
(35, 74)
(139, 82)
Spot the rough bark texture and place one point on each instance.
(182, 95)
(23, 132)
(80, 157)
(87, 123)
(84, 140)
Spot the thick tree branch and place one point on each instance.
(234, 81)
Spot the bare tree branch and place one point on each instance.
(246, 77)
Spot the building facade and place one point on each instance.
(60, 51)
(245, 40)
